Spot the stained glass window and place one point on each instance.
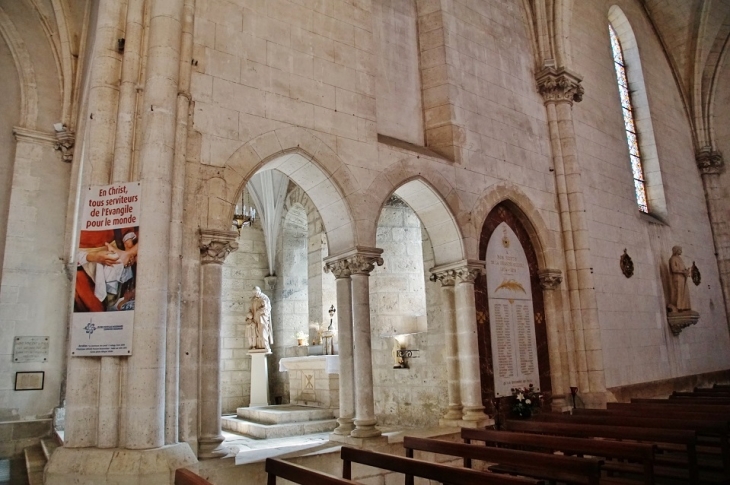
(628, 112)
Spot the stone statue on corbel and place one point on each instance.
(679, 312)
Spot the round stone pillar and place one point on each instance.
(214, 247)
(361, 263)
(447, 279)
(343, 284)
(467, 341)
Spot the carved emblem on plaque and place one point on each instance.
(695, 274)
(627, 265)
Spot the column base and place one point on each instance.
(87, 466)
(344, 426)
(455, 412)
(209, 448)
(474, 413)
(365, 428)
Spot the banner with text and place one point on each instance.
(106, 271)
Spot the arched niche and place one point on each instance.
(509, 214)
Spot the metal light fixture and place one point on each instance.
(244, 214)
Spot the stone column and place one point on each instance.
(361, 263)
(560, 88)
(341, 270)
(550, 280)
(465, 274)
(214, 247)
(711, 165)
(447, 278)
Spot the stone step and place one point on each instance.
(268, 431)
(35, 461)
(49, 445)
(283, 413)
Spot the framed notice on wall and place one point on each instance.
(29, 381)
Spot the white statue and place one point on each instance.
(259, 317)
(679, 274)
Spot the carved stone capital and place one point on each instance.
(464, 271)
(550, 279)
(359, 260)
(216, 245)
(65, 144)
(710, 162)
(446, 277)
(559, 85)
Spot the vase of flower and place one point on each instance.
(526, 400)
(301, 338)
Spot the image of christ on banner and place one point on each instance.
(106, 271)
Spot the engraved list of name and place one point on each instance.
(514, 348)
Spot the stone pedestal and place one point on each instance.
(259, 377)
(681, 320)
(115, 465)
(314, 380)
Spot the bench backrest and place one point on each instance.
(186, 477)
(625, 409)
(704, 426)
(637, 452)
(299, 474)
(424, 469)
(564, 468)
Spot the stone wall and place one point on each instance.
(637, 343)
(399, 291)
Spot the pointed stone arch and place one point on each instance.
(544, 240)
(306, 160)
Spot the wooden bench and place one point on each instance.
(640, 456)
(411, 468)
(659, 405)
(186, 477)
(568, 469)
(686, 438)
(715, 430)
(299, 474)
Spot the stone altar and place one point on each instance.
(313, 380)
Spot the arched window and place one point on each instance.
(629, 124)
(646, 172)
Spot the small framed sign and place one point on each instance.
(30, 381)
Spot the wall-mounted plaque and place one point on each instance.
(511, 317)
(30, 349)
(29, 381)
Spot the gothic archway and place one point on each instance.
(508, 213)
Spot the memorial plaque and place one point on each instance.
(30, 349)
(514, 345)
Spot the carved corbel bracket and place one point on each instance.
(65, 144)
(464, 271)
(559, 85)
(710, 162)
(550, 279)
(359, 260)
(216, 245)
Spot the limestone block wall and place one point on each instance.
(637, 344)
(722, 138)
(398, 292)
(242, 270)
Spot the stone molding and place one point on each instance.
(710, 162)
(34, 136)
(359, 260)
(216, 245)
(559, 85)
(464, 271)
(550, 279)
(65, 144)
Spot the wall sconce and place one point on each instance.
(401, 355)
(244, 214)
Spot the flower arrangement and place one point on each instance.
(526, 400)
(301, 338)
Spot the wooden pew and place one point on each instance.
(186, 477)
(686, 438)
(640, 454)
(715, 430)
(659, 405)
(568, 469)
(411, 468)
(702, 394)
(299, 474)
(700, 399)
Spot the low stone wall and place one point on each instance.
(15, 436)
